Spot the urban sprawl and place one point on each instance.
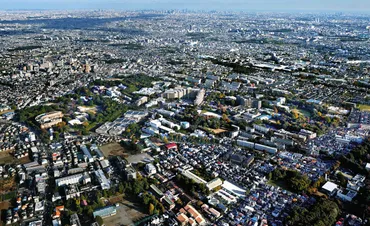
(184, 118)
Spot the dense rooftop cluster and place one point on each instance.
(184, 118)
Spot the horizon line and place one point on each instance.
(201, 10)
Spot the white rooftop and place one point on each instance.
(329, 186)
(234, 189)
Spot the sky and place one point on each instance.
(219, 5)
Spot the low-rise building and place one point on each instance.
(50, 119)
(105, 212)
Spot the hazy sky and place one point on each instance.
(242, 5)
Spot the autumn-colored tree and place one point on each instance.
(138, 176)
(151, 209)
(295, 114)
(165, 140)
(78, 202)
(61, 124)
(199, 203)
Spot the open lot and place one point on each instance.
(5, 205)
(7, 187)
(143, 157)
(6, 157)
(127, 214)
(113, 149)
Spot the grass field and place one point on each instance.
(364, 107)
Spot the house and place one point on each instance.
(367, 167)
(185, 125)
(182, 219)
(248, 161)
(195, 214)
(236, 159)
(130, 173)
(150, 169)
(57, 211)
(74, 220)
(171, 146)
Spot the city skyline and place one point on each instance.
(218, 5)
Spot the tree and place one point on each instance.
(342, 179)
(151, 208)
(179, 202)
(300, 183)
(99, 220)
(90, 210)
(78, 202)
(121, 188)
(61, 125)
(247, 192)
(139, 177)
(57, 135)
(269, 176)
(295, 114)
(165, 140)
(199, 203)
(323, 212)
(105, 193)
(98, 195)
